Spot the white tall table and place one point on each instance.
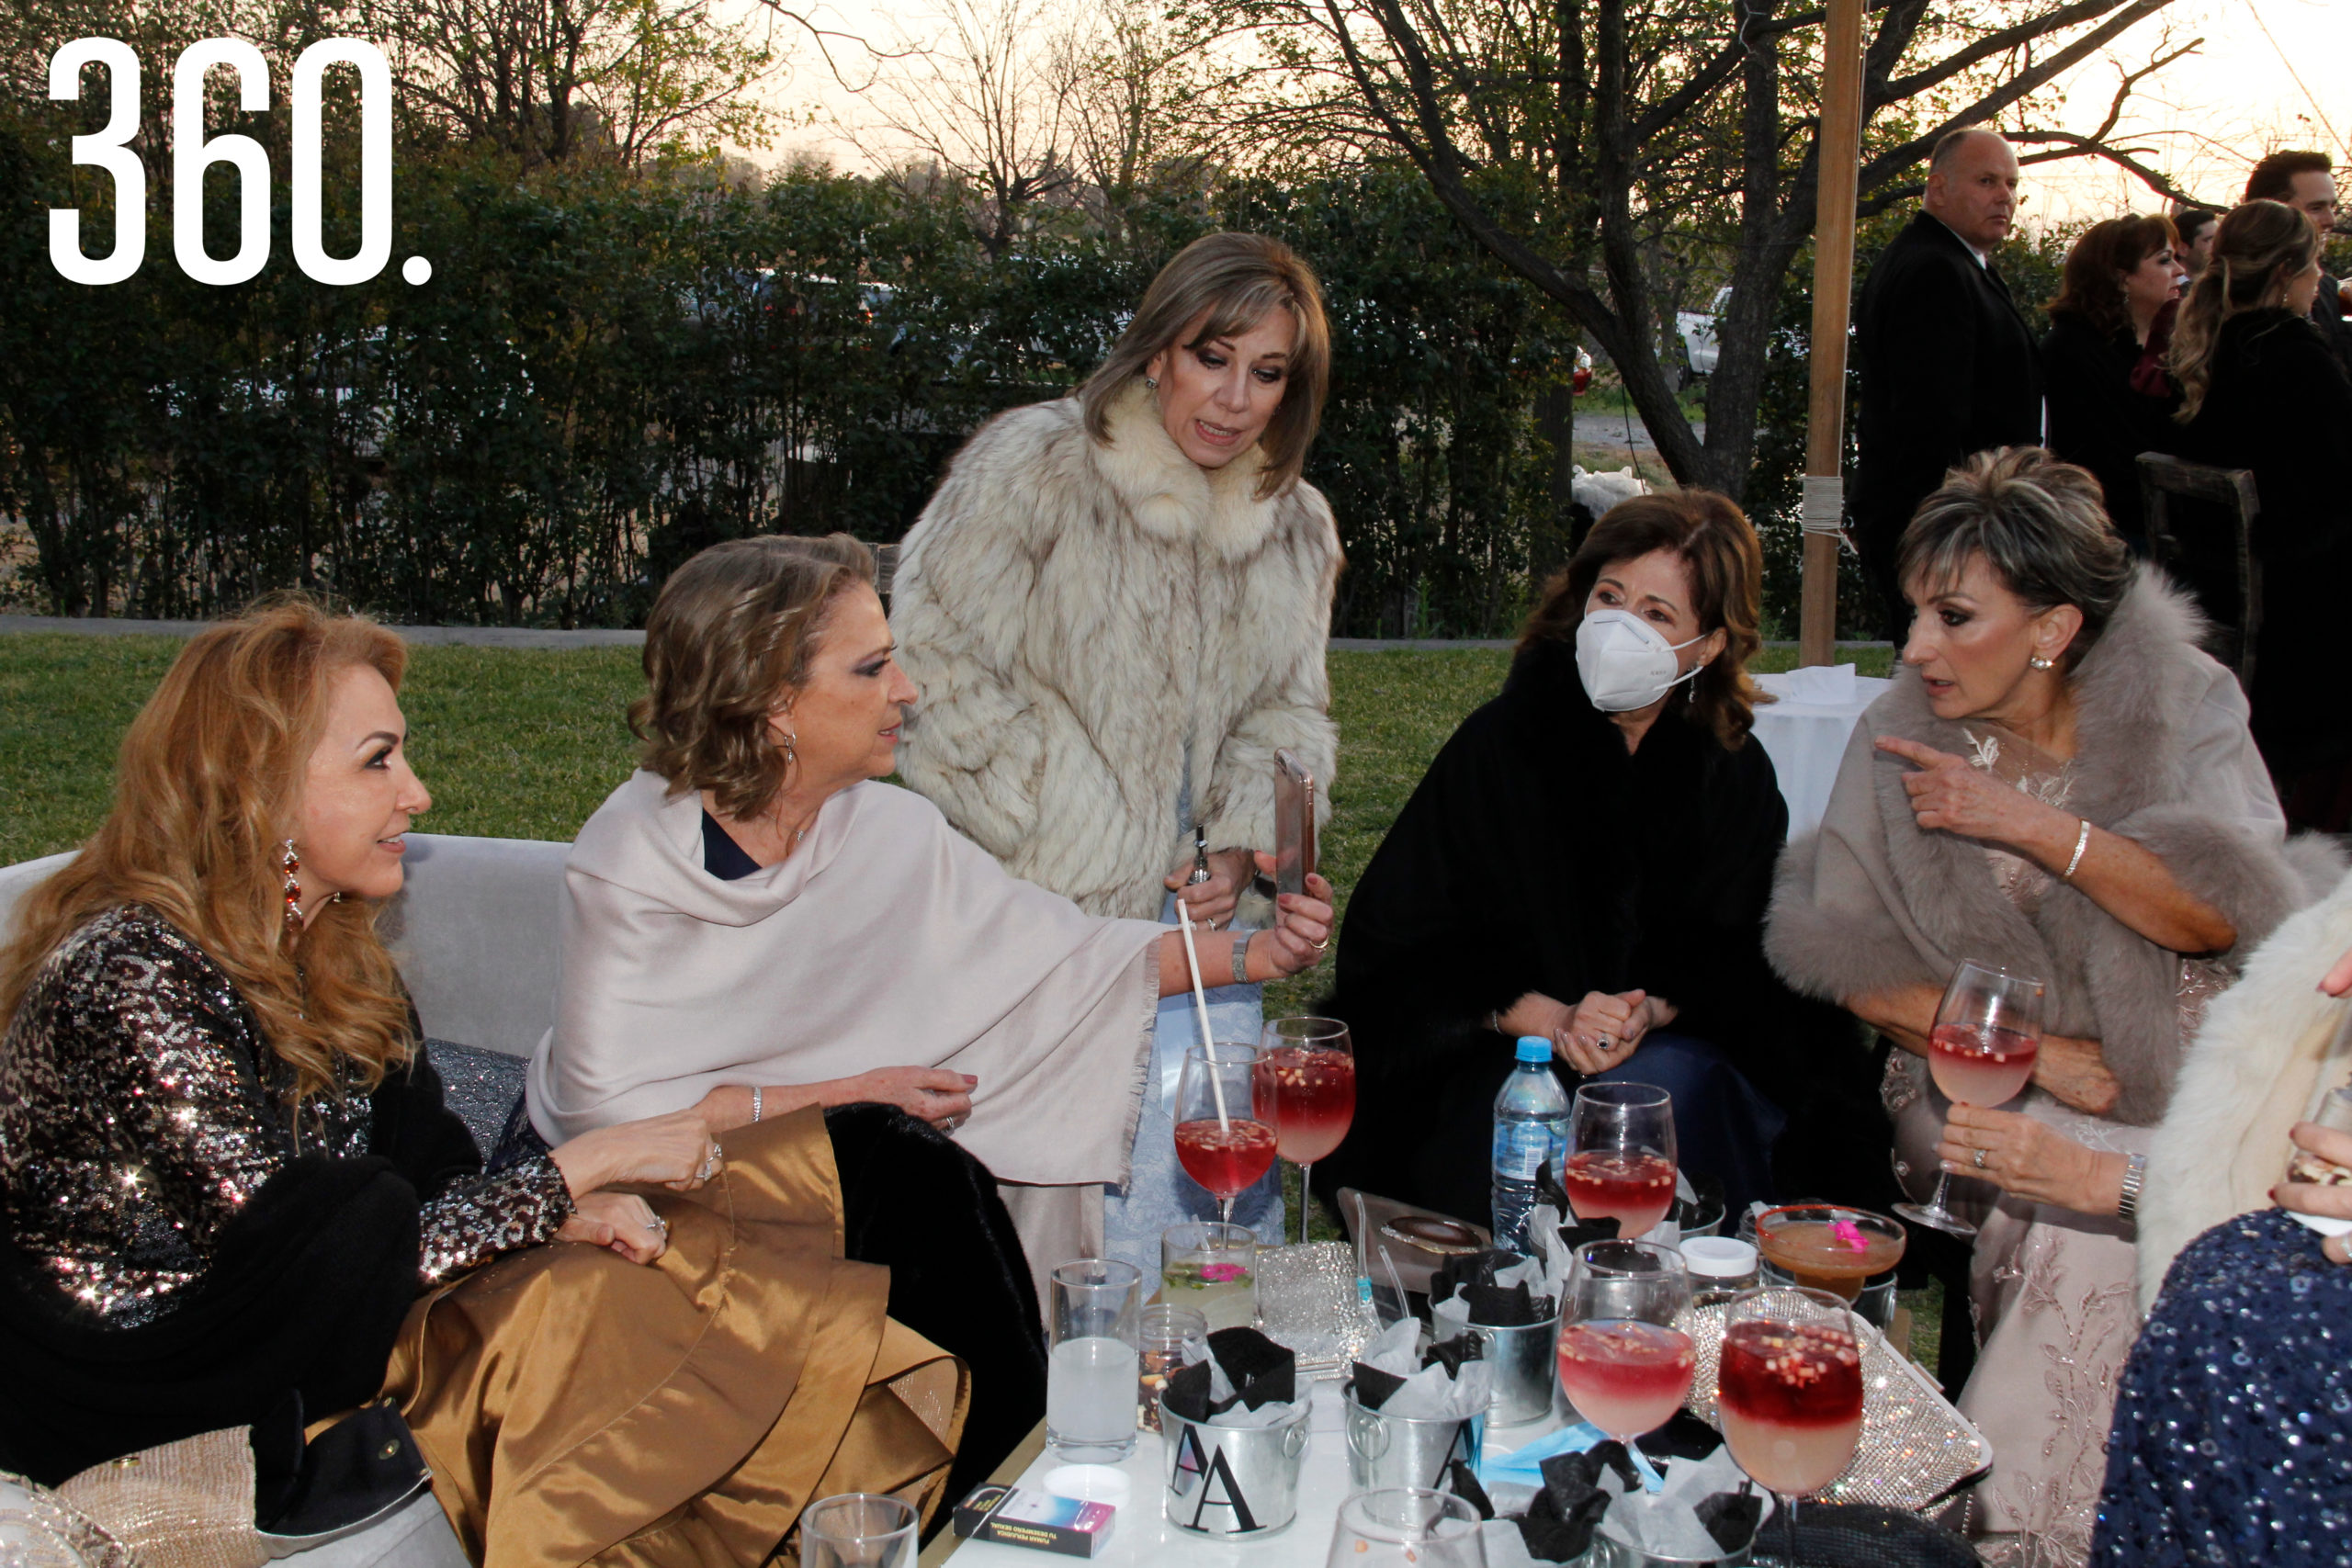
(1806, 732)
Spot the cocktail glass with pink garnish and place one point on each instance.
(1789, 1393)
(1306, 1073)
(1981, 1052)
(1619, 1163)
(1225, 1134)
(1623, 1363)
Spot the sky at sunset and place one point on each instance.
(2269, 74)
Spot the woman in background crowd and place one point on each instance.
(233, 1197)
(2118, 280)
(2233, 1438)
(1116, 606)
(754, 923)
(1588, 860)
(2262, 391)
(2060, 783)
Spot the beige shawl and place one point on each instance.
(887, 940)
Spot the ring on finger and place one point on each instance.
(1980, 1157)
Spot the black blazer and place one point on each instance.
(1947, 368)
(2096, 420)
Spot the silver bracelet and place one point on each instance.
(755, 1102)
(2082, 842)
(2135, 1172)
(1241, 957)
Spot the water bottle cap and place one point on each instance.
(1534, 1048)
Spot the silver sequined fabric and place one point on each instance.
(1915, 1449)
(140, 1108)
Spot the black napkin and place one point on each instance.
(1684, 1437)
(1374, 1386)
(1463, 1482)
(1611, 1454)
(1495, 1306)
(1454, 1352)
(1705, 1209)
(1558, 1525)
(1731, 1517)
(1262, 1373)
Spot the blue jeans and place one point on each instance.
(1722, 1127)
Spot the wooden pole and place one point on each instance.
(1833, 289)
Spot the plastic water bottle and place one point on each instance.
(1531, 1130)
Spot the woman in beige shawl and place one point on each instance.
(2058, 782)
(753, 924)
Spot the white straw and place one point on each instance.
(1201, 1007)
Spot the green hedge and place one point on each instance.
(609, 370)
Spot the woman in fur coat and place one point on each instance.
(1116, 607)
(2233, 1437)
(2061, 783)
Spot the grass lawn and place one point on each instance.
(525, 744)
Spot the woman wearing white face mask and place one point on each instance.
(1588, 859)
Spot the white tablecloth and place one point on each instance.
(1805, 732)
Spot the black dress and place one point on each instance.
(2279, 404)
(1538, 855)
(2096, 420)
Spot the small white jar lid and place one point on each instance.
(1090, 1483)
(1719, 1256)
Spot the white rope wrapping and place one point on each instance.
(1825, 504)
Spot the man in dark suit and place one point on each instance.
(2306, 182)
(1947, 360)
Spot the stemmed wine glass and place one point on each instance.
(1623, 1363)
(1789, 1393)
(1225, 1137)
(1306, 1080)
(1619, 1163)
(1981, 1052)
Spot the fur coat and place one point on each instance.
(1087, 620)
(2271, 1045)
(2162, 757)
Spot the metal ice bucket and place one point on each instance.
(1525, 1359)
(1405, 1451)
(1234, 1483)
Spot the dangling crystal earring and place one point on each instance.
(289, 862)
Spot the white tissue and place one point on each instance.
(1429, 1394)
(1668, 1525)
(1452, 1315)
(1265, 1415)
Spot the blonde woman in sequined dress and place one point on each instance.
(232, 1198)
(2061, 784)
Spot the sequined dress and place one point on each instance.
(140, 1111)
(2233, 1436)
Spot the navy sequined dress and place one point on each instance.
(2232, 1434)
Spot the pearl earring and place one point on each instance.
(2041, 663)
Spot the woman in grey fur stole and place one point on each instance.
(2061, 783)
(1116, 606)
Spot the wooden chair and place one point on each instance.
(2221, 569)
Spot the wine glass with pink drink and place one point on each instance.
(1981, 1052)
(1789, 1393)
(1623, 1363)
(1224, 1133)
(1306, 1073)
(1619, 1164)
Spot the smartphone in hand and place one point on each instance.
(1293, 823)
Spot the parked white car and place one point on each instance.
(1697, 329)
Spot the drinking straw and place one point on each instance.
(1201, 1007)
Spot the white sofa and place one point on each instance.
(475, 932)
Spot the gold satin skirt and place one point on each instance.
(576, 1407)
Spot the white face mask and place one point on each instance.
(1626, 662)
